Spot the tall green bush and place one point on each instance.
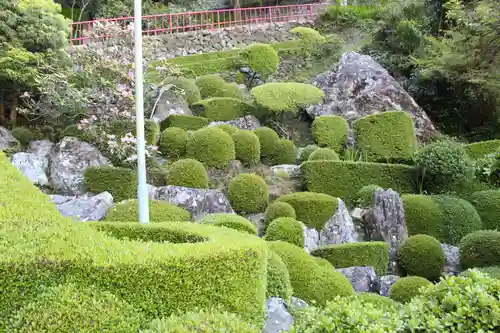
(222, 108)
(269, 140)
(424, 216)
(284, 152)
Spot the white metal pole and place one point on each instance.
(142, 190)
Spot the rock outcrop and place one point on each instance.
(363, 279)
(84, 208)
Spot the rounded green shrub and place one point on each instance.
(480, 249)
(285, 152)
(121, 183)
(210, 85)
(306, 152)
(286, 96)
(276, 210)
(285, 229)
(187, 173)
(424, 216)
(309, 36)
(323, 263)
(173, 143)
(313, 209)
(247, 147)
(363, 198)
(222, 108)
(24, 135)
(159, 211)
(278, 279)
(324, 154)
(422, 256)
(188, 123)
(231, 221)
(248, 193)
(232, 90)
(71, 308)
(211, 146)
(201, 322)
(404, 289)
(269, 140)
(229, 129)
(330, 131)
(310, 281)
(487, 204)
(189, 88)
(261, 58)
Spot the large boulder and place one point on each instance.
(361, 87)
(69, 159)
(84, 208)
(32, 166)
(7, 140)
(278, 318)
(246, 123)
(385, 284)
(43, 149)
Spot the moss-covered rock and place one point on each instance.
(408, 287)
(421, 256)
(324, 154)
(189, 89)
(480, 249)
(286, 96)
(232, 221)
(159, 211)
(188, 123)
(247, 147)
(287, 230)
(211, 146)
(248, 193)
(487, 204)
(261, 58)
(330, 131)
(121, 183)
(276, 210)
(173, 143)
(269, 140)
(278, 279)
(188, 173)
(306, 152)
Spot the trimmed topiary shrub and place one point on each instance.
(285, 229)
(201, 322)
(189, 88)
(480, 249)
(261, 58)
(69, 308)
(278, 279)
(159, 211)
(330, 131)
(478, 150)
(285, 152)
(286, 96)
(232, 221)
(404, 289)
(24, 135)
(211, 146)
(210, 85)
(276, 210)
(421, 256)
(487, 204)
(313, 209)
(310, 38)
(424, 216)
(188, 123)
(248, 193)
(323, 263)
(231, 90)
(187, 173)
(306, 152)
(222, 108)
(121, 183)
(386, 136)
(310, 282)
(247, 147)
(375, 254)
(229, 129)
(324, 154)
(269, 140)
(363, 198)
(173, 143)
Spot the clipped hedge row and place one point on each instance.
(222, 108)
(286, 96)
(188, 123)
(121, 183)
(481, 149)
(330, 131)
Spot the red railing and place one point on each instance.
(206, 20)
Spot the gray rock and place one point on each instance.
(452, 259)
(278, 319)
(298, 303)
(43, 149)
(386, 283)
(7, 140)
(363, 279)
(84, 208)
(339, 229)
(385, 221)
(32, 166)
(170, 104)
(361, 87)
(199, 202)
(246, 123)
(258, 221)
(311, 239)
(69, 159)
(292, 170)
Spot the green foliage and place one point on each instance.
(188, 88)
(276, 210)
(222, 108)
(188, 123)
(363, 198)
(310, 282)
(324, 154)
(261, 58)
(248, 193)
(375, 254)
(350, 16)
(422, 256)
(69, 308)
(232, 221)
(278, 279)
(201, 322)
(491, 271)
(173, 143)
(232, 90)
(377, 300)
(478, 150)
(310, 38)
(313, 209)
(323, 263)
(229, 129)
(306, 152)
(211, 85)
(247, 147)
(287, 230)
(487, 204)
(24, 135)
(284, 152)
(424, 216)
(120, 182)
(159, 211)
(480, 248)
(269, 140)
(188, 173)
(330, 131)
(404, 289)
(286, 97)
(386, 136)
(344, 178)
(211, 146)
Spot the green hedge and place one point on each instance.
(287, 230)
(248, 193)
(147, 275)
(261, 58)
(222, 108)
(330, 131)
(478, 150)
(286, 96)
(247, 147)
(313, 209)
(275, 210)
(120, 182)
(386, 136)
(344, 178)
(423, 256)
(232, 221)
(173, 143)
(284, 152)
(189, 89)
(311, 282)
(306, 152)
(159, 211)
(269, 140)
(487, 204)
(188, 123)
(278, 278)
(480, 249)
(404, 289)
(211, 146)
(188, 173)
(322, 154)
(375, 254)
